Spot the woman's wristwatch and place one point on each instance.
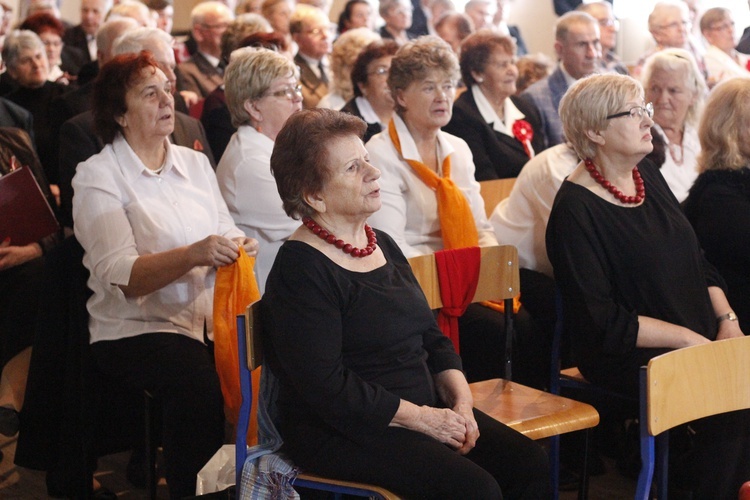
(730, 316)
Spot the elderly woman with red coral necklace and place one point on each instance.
(634, 281)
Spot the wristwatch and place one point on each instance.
(728, 316)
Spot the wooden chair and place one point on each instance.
(685, 385)
(249, 331)
(495, 191)
(534, 413)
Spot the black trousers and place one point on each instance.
(504, 463)
(180, 373)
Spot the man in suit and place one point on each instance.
(309, 27)
(83, 36)
(578, 48)
(204, 71)
(78, 140)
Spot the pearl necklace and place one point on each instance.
(372, 240)
(640, 189)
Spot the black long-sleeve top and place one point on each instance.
(347, 346)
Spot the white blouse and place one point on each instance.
(123, 210)
(249, 188)
(409, 206)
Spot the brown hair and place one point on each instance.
(723, 127)
(299, 162)
(372, 52)
(476, 50)
(111, 87)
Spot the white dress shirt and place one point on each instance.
(521, 218)
(680, 178)
(249, 188)
(409, 207)
(122, 210)
(720, 65)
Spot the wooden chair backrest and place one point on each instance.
(253, 331)
(696, 382)
(498, 275)
(495, 191)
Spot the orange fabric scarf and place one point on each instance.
(457, 226)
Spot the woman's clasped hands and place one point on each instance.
(455, 427)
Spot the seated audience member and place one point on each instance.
(719, 203)
(521, 218)
(414, 154)
(26, 60)
(578, 48)
(675, 87)
(204, 71)
(481, 13)
(215, 115)
(345, 51)
(83, 35)
(500, 25)
(397, 15)
(164, 14)
(531, 69)
(668, 24)
(633, 279)
(279, 14)
(134, 9)
(502, 130)
(145, 263)
(248, 7)
(608, 28)
(439, 8)
(364, 372)
(421, 19)
(722, 60)
(64, 62)
(262, 92)
(79, 138)
(311, 32)
(454, 27)
(372, 98)
(356, 14)
(21, 278)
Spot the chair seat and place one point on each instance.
(304, 477)
(573, 374)
(535, 414)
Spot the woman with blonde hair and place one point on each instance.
(346, 49)
(631, 272)
(262, 91)
(723, 188)
(674, 84)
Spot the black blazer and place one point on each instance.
(76, 37)
(496, 155)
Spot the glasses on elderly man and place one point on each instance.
(289, 92)
(636, 112)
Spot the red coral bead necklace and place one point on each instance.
(640, 189)
(347, 248)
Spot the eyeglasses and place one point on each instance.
(219, 26)
(636, 112)
(729, 25)
(289, 92)
(380, 71)
(676, 25)
(317, 32)
(608, 22)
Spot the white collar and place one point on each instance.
(213, 61)
(568, 79)
(409, 149)
(132, 166)
(511, 112)
(365, 109)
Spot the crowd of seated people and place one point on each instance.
(157, 158)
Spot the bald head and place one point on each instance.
(108, 33)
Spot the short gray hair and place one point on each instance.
(249, 75)
(17, 41)
(140, 39)
(198, 14)
(588, 102)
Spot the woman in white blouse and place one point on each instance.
(675, 86)
(722, 60)
(422, 80)
(262, 89)
(154, 228)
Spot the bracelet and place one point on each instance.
(728, 316)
